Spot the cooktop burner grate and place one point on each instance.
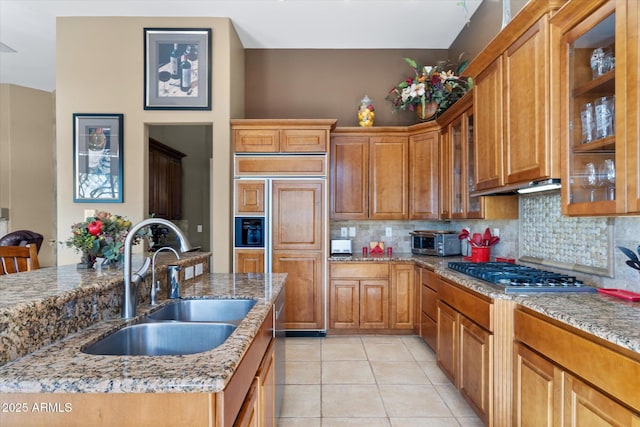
(521, 278)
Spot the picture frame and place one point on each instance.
(97, 158)
(166, 74)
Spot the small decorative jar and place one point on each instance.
(366, 113)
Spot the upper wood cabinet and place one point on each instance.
(369, 174)
(165, 181)
(249, 197)
(599, 111)
(281, 136)
(512, 110)
(424, 171)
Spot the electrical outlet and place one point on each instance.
(388, 231)
(198, 269)
(496, 232)
(199, 228)
(352, 232)
(88, 213)
(188, 272)
(344, 232)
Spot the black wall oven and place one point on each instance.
(249, 232)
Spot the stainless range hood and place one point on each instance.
(522, 188)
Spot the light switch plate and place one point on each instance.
(388, 231)
(344, 232)
(352, 232)
(188, 272)
(198, 269)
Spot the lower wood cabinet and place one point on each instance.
(372, 296)
(428, 299)
(564, 377)
(465, 345)
(249, 261)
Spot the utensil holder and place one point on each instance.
(480, 253)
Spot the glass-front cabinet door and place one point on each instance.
(474, 203)
(592, 123)
(457, 191)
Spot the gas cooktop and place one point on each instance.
(520, 278)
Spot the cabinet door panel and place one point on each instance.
(297, 214)
(533, 389)
(424, 175)
(256, 140)
(249, 197)
(487, 110)
(388, 175)
(402, 296)
(249, 261)
(447, 341)
(303, 141)
(526, 106)
(349, 177)
(344, 302)
(304, 302)
(374, 306)
(474, 379)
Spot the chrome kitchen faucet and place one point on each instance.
(132, 281)
(154, 288)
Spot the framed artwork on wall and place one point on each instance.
(177, 75)
(97, 158)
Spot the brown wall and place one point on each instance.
(326, 83)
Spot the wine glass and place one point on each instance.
(591, 180)
(608, 174)
(164, 77)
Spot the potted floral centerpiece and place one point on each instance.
(431, 89)
(100, 236)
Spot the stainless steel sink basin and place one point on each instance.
(205, 310)
(162, 339)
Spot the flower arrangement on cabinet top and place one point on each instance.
(431, 90)
(102, 235)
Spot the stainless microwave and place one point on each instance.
(436, 243)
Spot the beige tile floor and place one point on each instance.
(369, 381)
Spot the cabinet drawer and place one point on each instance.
(475, 306)
(428, 302)
(428, 331)
(256, 140)
(303, 141)
(281, 165)
(360, 270)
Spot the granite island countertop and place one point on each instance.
(62, 368)
(612, 319)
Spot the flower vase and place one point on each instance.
(428, 112)
(86, 261)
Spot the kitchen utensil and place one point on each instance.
(476, 239)
(464, 234)
(621, 293)
(486, 237)
(493, 240)
(629, 253)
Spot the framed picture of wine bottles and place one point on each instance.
(177, 73)
(97, 158)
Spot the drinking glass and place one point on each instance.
(590, 180)
(588, 122)
(164, 77)
(604, 116)
(608, 174)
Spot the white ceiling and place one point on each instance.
(29, 26)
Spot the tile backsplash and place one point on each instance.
(586, 246)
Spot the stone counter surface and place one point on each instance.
(62, 368)
(612, 319)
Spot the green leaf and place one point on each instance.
(411, 62)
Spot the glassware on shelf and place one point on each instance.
(608, 174)
(602, 61)
(591, 180)
(588, 122)
(604, 113)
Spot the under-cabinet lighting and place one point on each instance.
(538, 186)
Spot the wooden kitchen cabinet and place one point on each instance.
(304, 306)
(424, 171)
(281, 136)
(465, 345)
(267, 377)
(249, 196)
(249, 261)
(249, 415)
(359, 296)
(512, 107)
(298, 207)
(581, 27)
(428, 307)
(554, 387)
(369, 174)
(165, 181)
(402, 296)
(458, 166)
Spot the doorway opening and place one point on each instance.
(179, 178)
